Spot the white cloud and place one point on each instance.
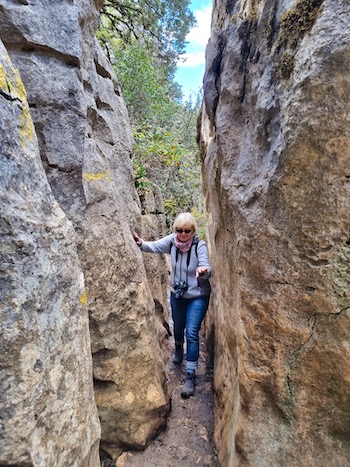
(199, 35)
(193, 59)
(197, 39)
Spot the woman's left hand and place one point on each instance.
(200, 271)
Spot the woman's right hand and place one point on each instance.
(200, 271)
(137, 238)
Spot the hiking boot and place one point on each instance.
(188, 387)
(178, 355)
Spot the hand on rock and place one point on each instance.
(137, 238)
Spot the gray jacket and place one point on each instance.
(179, 270)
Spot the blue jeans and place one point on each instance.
(188, 313)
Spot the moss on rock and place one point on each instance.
(286, 66)
(296, 22)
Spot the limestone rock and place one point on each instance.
(157, 266)
(47, 406)
(275, 146)
(86, 142)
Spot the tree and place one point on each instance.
(161, 25)
(143, 40)
(147, 90)
(164, 130)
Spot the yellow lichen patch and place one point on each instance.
(19, 89)
(3, 79)
(11, 83)
(91, 177)
(26, 125)
(83, 298)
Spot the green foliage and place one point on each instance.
(201, 222)
(140, 175)
(164, 129)
(160, 26)
(171, 160)
(147, 90)
(143, 41)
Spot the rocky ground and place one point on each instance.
(188, 438)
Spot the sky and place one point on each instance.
(190, 72)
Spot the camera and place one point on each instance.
(180, 288)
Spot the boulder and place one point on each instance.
(86, 145)
(47, 406)
(275, 147)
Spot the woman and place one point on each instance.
(190, 289)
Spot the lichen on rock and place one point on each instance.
(47, 406)
(85, 143)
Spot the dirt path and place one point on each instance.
(188, 438)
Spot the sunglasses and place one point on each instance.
(186, 231)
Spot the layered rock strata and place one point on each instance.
(275, 146)
(47, 407)
(85, 144)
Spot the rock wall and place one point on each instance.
(47, 407)
(85, 144)
(152, 227)
(276, 166)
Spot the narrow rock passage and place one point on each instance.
(188, 438)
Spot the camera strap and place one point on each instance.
(194, 242)
(188, 256)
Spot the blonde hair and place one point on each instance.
(185, 218)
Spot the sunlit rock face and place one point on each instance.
(85, 144)
(276, 160)
(47, 406)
